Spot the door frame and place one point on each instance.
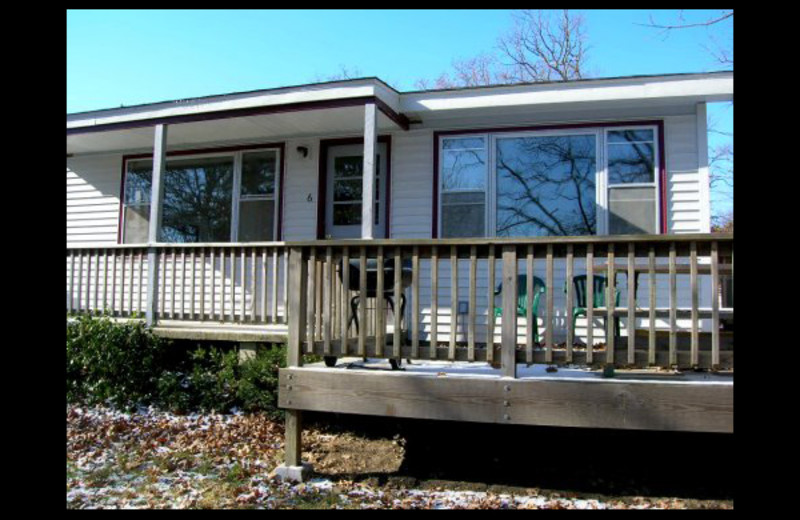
(322, 180)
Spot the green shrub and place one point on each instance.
(124, 364)
(112, 362)
(258, 386)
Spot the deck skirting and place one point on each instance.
(588, 403)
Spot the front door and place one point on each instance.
(345, 165)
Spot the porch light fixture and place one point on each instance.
(303, 150)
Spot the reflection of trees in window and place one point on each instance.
(546, 186)
(197, 201)
(631, 156)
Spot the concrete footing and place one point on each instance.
(247, 350)
(294, 473)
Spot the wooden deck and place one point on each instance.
(568, 398)
(673, 312)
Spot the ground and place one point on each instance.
(151, 459)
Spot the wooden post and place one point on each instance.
(297, 278)
(369, 171)
(509, 325)
(156, 196)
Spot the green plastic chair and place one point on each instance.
(522, 300)
(600, 284)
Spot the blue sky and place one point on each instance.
(131, 57)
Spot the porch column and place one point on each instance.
(156, 196)
(368, 191)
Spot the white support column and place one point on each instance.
(702, 168)
(368, 191)
(156, 197)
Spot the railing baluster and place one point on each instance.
(451, 352)
(222, 273)
(398, 288)
(80, 280)
(311, 297)
(243, 303)
(183, 283)
(326, 301)
(589, 303)
(529, 317)
(508, 343)
(202, 284)
(71, 286)
(213, 295)
(274, 313)
(130, 280)
(434, 302)
(631, 283)
(141, 281)
(695, 352)
(490, 309)
(473, 282)
(318, 300)
(715, 295)
(611, 294)
(651, 336)
(673, 302)
(380, 326)
(548, 353)
(232, 285)
(362, 301)
(415, 303)
(192, 286)
(570, 328)
(123, 272)
(97, 283)
(285, 288)
(114, 283)
(253, 261)
(174, 283)
(105, 280)
(345, 303)
(264, 285)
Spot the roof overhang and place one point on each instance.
(628, 91)
(336, 108)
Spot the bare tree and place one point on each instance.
(544, 47)
(721, 155)
(541, 46)
(722, 53)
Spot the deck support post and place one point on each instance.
(508, 345)
(369, 171)
(156, 196)
(293, 469)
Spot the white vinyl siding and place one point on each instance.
(93, 199)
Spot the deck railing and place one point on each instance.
(674, 306)
(671, 315)
(227, 283)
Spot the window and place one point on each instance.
(348, 183)
(631, 157)
(464, 187)
(549, 183)
(210, 198)
(546, 185)
(257, 196)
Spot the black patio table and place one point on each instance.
(372, 283)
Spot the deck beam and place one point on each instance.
(591, 403)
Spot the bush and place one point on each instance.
(258, 386)
(126, 365)
(112, 362)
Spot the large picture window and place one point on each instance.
(208, 198)
(585, 181)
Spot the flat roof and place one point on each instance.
(375, 79)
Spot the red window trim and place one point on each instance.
(197, 151)
(658, 123)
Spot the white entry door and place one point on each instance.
(345, 181)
